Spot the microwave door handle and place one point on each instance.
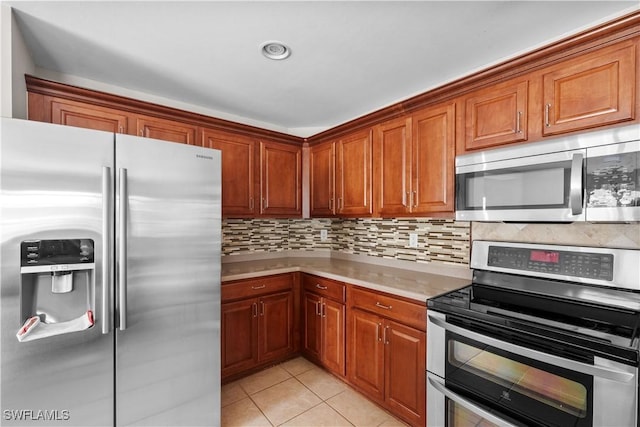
(575, 184)
(598, 371)
(462, 401)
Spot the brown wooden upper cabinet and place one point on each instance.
(238, 171)
(340, 176)
(413, 163)
(496, 115)
(280, 179)
(166, 130)
(321, 179)
(353, 175)
(71, 113)
(593, 90)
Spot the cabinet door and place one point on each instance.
(353, 175)
(333, 336)
(366, 353)
(166, 130)
(280, 179)
(69, 113)
(238, 172)
(496, 116)
(312, 326)
(321, 179)
(405, 367)
(239, 336)
(432, 160)
(593, 90)
(392, 167)
(276, 326)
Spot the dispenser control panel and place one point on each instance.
(56, 252)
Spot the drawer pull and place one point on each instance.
(386, 307)
(258, 287)
(321, 287)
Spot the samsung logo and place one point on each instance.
(200, 156)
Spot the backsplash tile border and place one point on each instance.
(439, 240)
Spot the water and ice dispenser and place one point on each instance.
(57, 287)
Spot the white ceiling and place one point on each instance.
(348, 57)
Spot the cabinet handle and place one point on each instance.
(378, 331)
(518, 124)
(321, 287)
(384, 335)
(547, 107)
(330, 204)
(255, 288)
(263, 204)
(250, 203)
(339, 203)
(386, 307)
(405, 196)
(323, 310)
(415, 199)
(254, 309)
(317, 303)
(261, 308)
(141, 132)
(121, 129)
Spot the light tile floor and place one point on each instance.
(298, 393)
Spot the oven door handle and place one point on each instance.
(439, 385)
(598, 371)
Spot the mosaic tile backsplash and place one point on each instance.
(439, 240)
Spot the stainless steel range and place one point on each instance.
(544, 336)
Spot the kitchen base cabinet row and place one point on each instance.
(373, 341)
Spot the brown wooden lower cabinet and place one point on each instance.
(386, 358)
(257, 323)
(324, 322)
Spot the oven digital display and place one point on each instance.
(545, 256)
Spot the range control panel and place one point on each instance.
(59, 251)
(567, 263)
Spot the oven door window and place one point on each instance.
(525, 388)
(459, 416)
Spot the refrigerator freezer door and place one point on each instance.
(167, 341)
(51, 187)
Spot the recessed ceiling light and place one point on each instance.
(275, 50)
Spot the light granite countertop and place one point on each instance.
(410, 283)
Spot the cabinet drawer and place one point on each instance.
(412, 314)
(255, 287)
(324, 287)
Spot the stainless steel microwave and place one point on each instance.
(593, 176)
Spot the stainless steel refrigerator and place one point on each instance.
(110, 279)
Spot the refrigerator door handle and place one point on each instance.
(122, 249)
(107, 224)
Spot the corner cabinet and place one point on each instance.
(414, 163)
(593, 90)
(353, 175)
(322, 179)
(387, 351)
(280, 179)
(257, 323)
(340, 176)
(324, 322)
